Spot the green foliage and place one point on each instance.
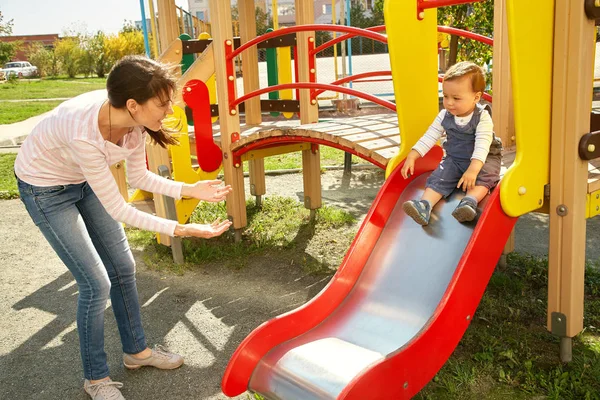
(15, 112)
(95, 47)
(281, 224)
(41, 57)
(127, 42)
(8, 183)
(507, 353)
(7, 49)
(475, 17)
(263, 21)
(49, 88)
(69, 54)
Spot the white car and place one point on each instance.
(21, 69)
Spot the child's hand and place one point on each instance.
(467, 181)
(408, 168)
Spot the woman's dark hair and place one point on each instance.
(141, 78)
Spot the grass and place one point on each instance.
(281, 224)
(8, 183)
(49, 88)
(507, 353)
(24, 89)
(16, 112)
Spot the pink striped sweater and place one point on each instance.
(67, 147)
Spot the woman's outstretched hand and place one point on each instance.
(205, 231)
(211, 190)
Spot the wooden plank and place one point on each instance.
(362, 137)
(305, 15)
(502, 107)
(158, 156)
(387, 152)
(118, 171)
(167, 27)
(221, 31)
(380, 143)
(258, 186)
(311, 176)
(252, 107)
(309, 113)
(202, 69)
(146, 206)
(274, 151)
(572, 84)
(250, 61)
(172, 55)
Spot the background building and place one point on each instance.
(26, 40)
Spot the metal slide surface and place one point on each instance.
(380, 337)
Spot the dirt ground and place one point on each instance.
(203, 315)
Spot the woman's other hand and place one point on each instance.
(211, 190)
(205, 231)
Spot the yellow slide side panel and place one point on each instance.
(530, 37)
(284, 63)
(413, 58)
(211, 83)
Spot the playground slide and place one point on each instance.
(393, 313)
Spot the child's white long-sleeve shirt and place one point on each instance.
(484, 135)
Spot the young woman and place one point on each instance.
(64, 178)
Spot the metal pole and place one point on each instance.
(145, 29)
(335, 55)
(348, 23)
(566, 349)
(155, 43)
(343, 46)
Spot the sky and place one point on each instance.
(34, 17)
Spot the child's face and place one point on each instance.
(459, 97)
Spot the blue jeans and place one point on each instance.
(94, 248)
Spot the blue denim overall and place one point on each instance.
(459, 146)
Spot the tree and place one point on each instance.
(263, 21)
(476, 17)
(125, 43)
(377, 17)
(7, 49)
(97, 50)
(69, 53)
(41, 57)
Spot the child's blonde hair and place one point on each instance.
(468, 69)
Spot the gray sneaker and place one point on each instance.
(160, 358)
(420, 211)
(465, 211)
(105, 390)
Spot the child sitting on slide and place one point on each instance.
(473, 154)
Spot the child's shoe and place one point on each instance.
(466, 210)
(420, 211)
